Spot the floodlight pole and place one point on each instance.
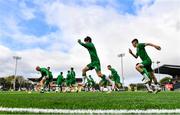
(122, 71)
(15, 72)
(158, 62)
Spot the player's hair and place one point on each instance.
(135, 40)
(72, 68)
(37, 68)
(109, 66)
(87, 39)
(61, 72)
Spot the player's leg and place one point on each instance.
(105, 77)
(47, 84)
(156, 85)
(84, 72)
(42, 83)
(140, 68)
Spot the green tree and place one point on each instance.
(165, 80)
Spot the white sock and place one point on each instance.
(112, 82)
(109, 88)
(101, 88)
(148, 87)
(107, 78)
(146, 77)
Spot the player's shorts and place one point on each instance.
(117, 80)
(147, 64)
(94, 65)
(48, 80)
(104, 83)
(68, 82)
(59, 83)
(73, 81)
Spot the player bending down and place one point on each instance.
(44, 76)
(115, 77)
(145, 66)
(95, 62)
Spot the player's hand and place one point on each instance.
(79, 41)
(158, 47)
(130, 51)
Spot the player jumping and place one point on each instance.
(95, 62)
(145, 66)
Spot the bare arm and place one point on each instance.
(130, 51)
(153, 45)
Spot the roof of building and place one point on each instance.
(173, 70)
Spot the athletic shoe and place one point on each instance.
(41, 91)
(158, 89)
(150, 91)
(108, 91)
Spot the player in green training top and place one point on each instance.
(95, 62)
(73, 76)
(90, 84)
(59, 82)
(145, 66)
(44, 75)
(50, 79)
(115, 77)
(74, 85)
(68, 81)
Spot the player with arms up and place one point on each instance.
(145, 66)
(95, 62)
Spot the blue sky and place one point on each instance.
(36, 25)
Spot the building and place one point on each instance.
(173, 70)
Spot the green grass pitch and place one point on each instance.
(91, 100)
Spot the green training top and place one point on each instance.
(69, 76)
(59, 78)
(73, 73)
(141, 52)
(50, 75)
(92, 51)
(44, 72)
(114, 73)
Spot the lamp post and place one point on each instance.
(122, 71)
(15, 72)
(158, 62)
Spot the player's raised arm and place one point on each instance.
(81, 43)
(153, 45)
(130, 51)
(87, 43)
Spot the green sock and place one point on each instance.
(146, 72)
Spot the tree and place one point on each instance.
(165, 80)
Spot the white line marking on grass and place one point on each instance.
(36, 110)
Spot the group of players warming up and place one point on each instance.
(114, 79)
(47, 78)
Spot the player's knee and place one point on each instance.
(138, 66)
